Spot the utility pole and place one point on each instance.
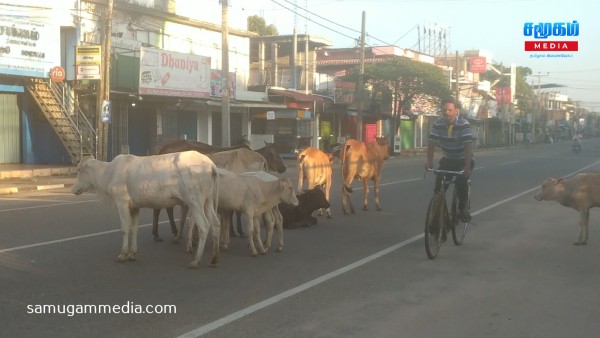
(537, 105)
(457, 89)
(225, 112)
(361, 73)
(104, 86)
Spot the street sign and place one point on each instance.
(87, 62)
(91, 72)
(57, 74)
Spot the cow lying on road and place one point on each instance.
(131, 182)
(301, 215)
(580, 192)
(315, 168)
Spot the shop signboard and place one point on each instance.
(168, 73)
(28, 46)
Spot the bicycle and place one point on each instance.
(440, 220)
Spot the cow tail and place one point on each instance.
(216, 180)
(344, 154)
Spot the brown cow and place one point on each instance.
(362, 161)
(315, 167)
(580, 192)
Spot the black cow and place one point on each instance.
(301, 215)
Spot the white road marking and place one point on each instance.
(303, 287)
(507, 163)
(45, 206)
(68, 239)
(201, 330)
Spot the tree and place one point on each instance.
(397, 82)
(258, 25)
(523, 91)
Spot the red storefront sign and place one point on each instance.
(478, 64)
(503, 95)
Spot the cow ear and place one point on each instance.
(558, 180)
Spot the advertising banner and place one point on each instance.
(478, 64)
(216, 82)
(169, 73)
(28, 47)
(87, 62)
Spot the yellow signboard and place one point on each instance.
(87, 62)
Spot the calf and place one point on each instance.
(131, 182)
(580, 192)
(301, 215)
(254, 195)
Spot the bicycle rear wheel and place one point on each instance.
(459, 229)
(434, 225)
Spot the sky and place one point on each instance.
(492, 26)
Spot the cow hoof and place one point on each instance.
(365, 208)
(214, 263)
(378, 209)
(579, 243)
(279, 249)
(193, 265)
(121, 258)
(131, 257)
(329, 216)
(175, 240)
(157, 239)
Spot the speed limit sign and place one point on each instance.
(57, 74)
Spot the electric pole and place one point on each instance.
(104, 86)
(359, 124)
(225, 110)
(537, 108)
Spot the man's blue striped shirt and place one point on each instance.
(451, 140)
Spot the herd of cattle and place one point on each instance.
(212, 183)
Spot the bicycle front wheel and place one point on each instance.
(459, 229)
(434, 225)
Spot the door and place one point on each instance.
(10, 129)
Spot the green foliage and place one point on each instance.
(402, 79)
(523, 91)
(258, 25)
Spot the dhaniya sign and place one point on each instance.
(169, 73)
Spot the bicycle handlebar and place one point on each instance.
(449, 172)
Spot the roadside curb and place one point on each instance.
(19, 188)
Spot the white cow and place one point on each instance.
(254, 195)
(131, 182)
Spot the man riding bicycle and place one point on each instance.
(453, 135)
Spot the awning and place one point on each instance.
(297, 114)
(246, 104)
(297, 95)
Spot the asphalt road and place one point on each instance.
(364, 275)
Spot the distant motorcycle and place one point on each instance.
(576, 147)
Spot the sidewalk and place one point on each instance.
(15, 178)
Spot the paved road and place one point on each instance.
(364, 275)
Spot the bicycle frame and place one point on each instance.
(439, 218)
